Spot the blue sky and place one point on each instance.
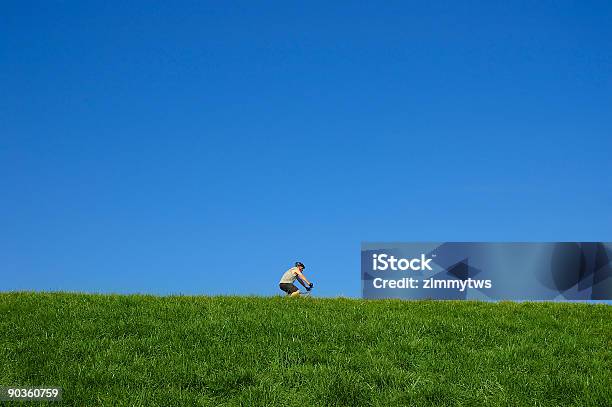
(202, 148)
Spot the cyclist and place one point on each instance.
(294, 273)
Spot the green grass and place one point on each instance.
(173, 351)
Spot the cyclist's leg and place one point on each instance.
(292, 290)
(289, 289)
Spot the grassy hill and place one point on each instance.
(171, 351)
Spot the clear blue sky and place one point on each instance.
(204, 147)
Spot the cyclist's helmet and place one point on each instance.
(299, 264)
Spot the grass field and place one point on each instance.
(174, 351)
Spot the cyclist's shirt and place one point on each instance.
(289, 276)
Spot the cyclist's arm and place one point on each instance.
(302, 279)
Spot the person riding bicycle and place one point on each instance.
(294, 273)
